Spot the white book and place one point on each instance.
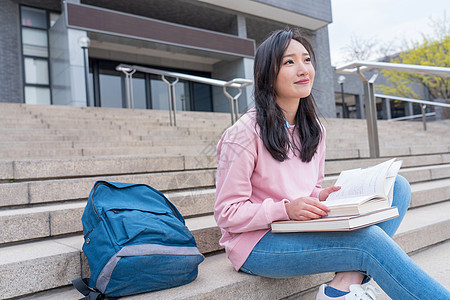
(343, 223)
(364, 190)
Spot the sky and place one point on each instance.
(384, 20)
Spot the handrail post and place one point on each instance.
(424, 116)
(371, 114)
(172, 103)
(238, 83)
(234, 99)
(233, 104)
(128, 84)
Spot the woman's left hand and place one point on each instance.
(326, 192)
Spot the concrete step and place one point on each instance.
(26, 131)
(430, 259)
(173, 146)
(110, 132)
(41, 153)
(413, 175)
(432, 223)
(22, 169)
(39, 265)
(22, 123)
(131, 119)
(76, 167)
(66, 189)
(38, 145)
(336, 166)
(57, 190)
(131, 122)
(406, 150)
(195, 205)
(426, 173)
(52, 115)
(42, 221)
(438, 190)
(101, 138)
(99, 151)
(20, 193)
(103, 112)
(344, 152)
(56, 262)
(69, 149)
(28, 138)
(80, 149)
(76, 112)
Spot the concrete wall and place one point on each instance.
(240, 68)
(323, 90)
(11, 83)
(319, 9)
(59, 63)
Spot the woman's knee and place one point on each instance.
(402, 183)
(402, 192)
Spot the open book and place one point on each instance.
(364, 199)
(364, 190)
(343, 223)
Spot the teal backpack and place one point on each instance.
(135, 241)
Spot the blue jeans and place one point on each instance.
(369, 250)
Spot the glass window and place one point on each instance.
(36, 71)
(37, 95)
(111, 91)
(139, 93)
(182, 96)
(34, 42)
(202, 96)
(160, 95)
(34, 17)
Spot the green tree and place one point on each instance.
(428, 53)
(434, 50)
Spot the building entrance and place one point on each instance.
(149, 91)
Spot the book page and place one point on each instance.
(390, 180)
(394, 168)
(361, 182)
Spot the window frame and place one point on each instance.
(24, 56)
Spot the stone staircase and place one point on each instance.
(50, 157)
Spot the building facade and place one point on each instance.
(45, 57)
(349, 99)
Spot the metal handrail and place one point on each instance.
(423, 107)
(431, 114)
(238, 83)
(352, 68)
(357, 67)
(412, 100)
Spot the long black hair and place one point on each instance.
(269, 115)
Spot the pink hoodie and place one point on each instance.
(252, 187)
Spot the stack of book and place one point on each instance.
(365, 198)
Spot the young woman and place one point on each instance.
(270, 168)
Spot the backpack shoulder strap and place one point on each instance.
(82, 285)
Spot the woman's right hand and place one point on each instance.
(306, 208)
